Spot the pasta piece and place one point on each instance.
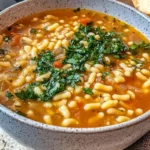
(109, 104)
(124, 97)
(62, 95)
(69, 121)
(92, 106)
(64, 111)
(102, 87)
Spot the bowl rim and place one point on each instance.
(53, 128)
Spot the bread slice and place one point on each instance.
(142, 5)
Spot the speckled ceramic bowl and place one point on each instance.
(44, 137)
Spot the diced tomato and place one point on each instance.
(15, 40)
(85, 21)
(58, 63)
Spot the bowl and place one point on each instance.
(45, 137)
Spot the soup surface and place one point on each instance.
(74, 68)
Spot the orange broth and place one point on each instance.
(19, 56)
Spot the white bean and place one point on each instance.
(43, 76)
(146, 56)
(119, 79)
(62, 95)
(121, 119)
(124, 97)
(38, 90)
(64, 111)
(92, 78)
(78, 89)
(69, 121)
(52, 27)
(43, 45)
(114, 111)
(138, 112)
(58, 44)
(72, 104)
(47, 119)
(96, 118)
(102, 87)
(132, 95)
(109, 104)
(92, 106)
(34, 52)
(145, 72)
(140, 76)
(146, 84)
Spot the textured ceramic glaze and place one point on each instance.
(44, 137)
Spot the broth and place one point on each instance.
(74, 68)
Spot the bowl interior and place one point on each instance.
(116, 9)
(110, 7)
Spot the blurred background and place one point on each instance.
(6, 3)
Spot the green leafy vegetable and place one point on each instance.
(44, 62)
(88, 91)
(109, 44)
(104, 75)
(142, 45)
(57, 82)
(9, 95)
(33, 31)
(77, 54)
(137, 61)
(20, 113)
(28, 93)
(76, 10)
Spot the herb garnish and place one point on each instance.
(77, 55)
(33, 31)
(88, 91)
(142, 45)
(76, 10)
(9, 95)
(56, 83)
(104, 75)
(137, 61)
(20, 113)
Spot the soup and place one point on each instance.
(74, 68)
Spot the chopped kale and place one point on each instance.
(88, 91)
(9, 95)
(76, 54)
(33, 31)
(28, 93)
(137, 61)
(76, 10)
(142, 45)
(57, 82)
(109, 44)
(44, 62)
(20, 113)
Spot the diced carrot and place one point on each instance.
(58, 63)
(85, 21)
(15, 40)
